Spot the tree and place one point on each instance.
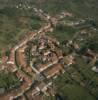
(7, 53)
(90, 43)
(8, 80)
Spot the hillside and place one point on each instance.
(20, 21)
(14, 24)
(86, 8)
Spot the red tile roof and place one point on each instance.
(55, 69)
(20, 59)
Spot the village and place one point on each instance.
(38, 59)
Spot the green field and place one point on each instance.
(79, 82)
(84, 8)
(63, 32)
(8, 80)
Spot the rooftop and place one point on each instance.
(55, 69)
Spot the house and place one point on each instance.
(11, 57)
(4, 59)
(69, 60)
(37, 88)
(20, 59)
(95, 68)
(41, 46)
(21, 49)
(42, 67)
(90, 54)
(76, 46)
(59, 54)
(53, 70)
(21, 97)
(11, 67)
(50, 60)
(47, 52)
(19, 76)
(29, 69)
(43, 87)
(65, 14)
(31, 93)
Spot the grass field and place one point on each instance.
(79, 82)
(62, 33)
